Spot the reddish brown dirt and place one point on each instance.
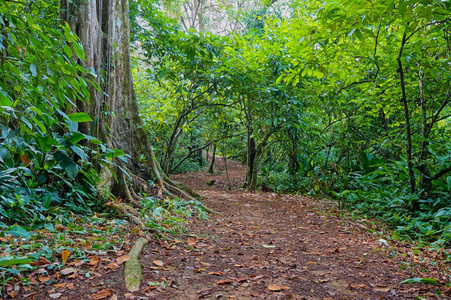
(264, 246)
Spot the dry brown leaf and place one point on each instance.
(102, 294)
(60, 285)
(381, 289)
(40, 262)
(205, 264)
(216, 273)
(76, 263)
(13, 294)
(112, 266)
(43, 278)
(149, 288)
(65, 255)
(70, 286)
(224, 281)
(25, 159)
(94, 260)
(191, 242)
(275, 288)
(121, 259)
(158, 263)
(114, 297)
(88, 245)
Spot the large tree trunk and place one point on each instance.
(104, 30)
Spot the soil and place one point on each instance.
(264, 246)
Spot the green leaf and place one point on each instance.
(68, 51)
(67, 164)
(9, 260)
(76, 137)
(420, 280)
(33, 71)
(115, 153)
(4, 99)
(18, 231)
(79, 117)
(46, 142)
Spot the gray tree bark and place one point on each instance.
(104, 30)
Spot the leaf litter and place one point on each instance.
(264, 246)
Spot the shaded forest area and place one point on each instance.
(102, 101)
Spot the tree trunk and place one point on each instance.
(213, 156)
(415, 203)
(104, 30)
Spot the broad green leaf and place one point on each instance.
(4, 100)
(46, 142)
(33, 71)
(420, 280)
(79, 117)
(115, 153)
(18, 231)
(9, 260)
(67, 164)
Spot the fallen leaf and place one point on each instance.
(277, 288)
(381, 289)
(122, 259)
(191, 242)
(65, 255)
(205, 264)
(88, 245)
(112, 266)
(224, 281)
(114, 297)
(40, 262)
(76, 263)
(70, 286)
(102, 294)
(55, 296)
(43, 278)
(216, 273)
(158, 263)
(68, 271)
(13, 293)
(94, 260)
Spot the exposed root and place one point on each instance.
(133, 272)
(131, 214)
(181, 186)
(207, 209)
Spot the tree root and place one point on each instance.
(133, 272)
(128, 212)
(175, 191)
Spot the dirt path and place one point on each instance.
(270, 246)
(264, 246)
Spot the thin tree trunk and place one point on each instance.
(407, 120)
(426, 181)
(212, 164)
(224, 152)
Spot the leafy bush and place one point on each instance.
(45, 163)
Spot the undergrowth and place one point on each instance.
(24, 249)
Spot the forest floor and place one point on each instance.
(263, 246)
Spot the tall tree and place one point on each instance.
(104, 30)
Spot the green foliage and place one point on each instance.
(315, 93)
(46, 164)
